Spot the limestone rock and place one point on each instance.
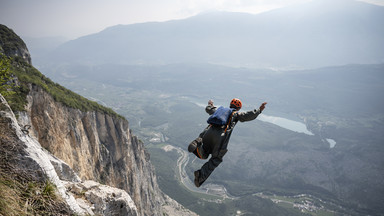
(102, 199)
(71, 145)
(92, 197)
(96, 146)
(12, 45)
(34, 158)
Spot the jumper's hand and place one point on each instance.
(262, 107)
(210, 102)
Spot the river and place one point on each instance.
(212, 189)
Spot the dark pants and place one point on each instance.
(213, 142)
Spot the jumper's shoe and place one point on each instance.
(197, 175)
(192, 146)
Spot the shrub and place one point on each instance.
(27, 74)
(6, 84)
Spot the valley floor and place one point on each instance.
(211, 189)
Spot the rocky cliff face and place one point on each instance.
(97, 146)
(34, 164)
(13, 45)
(86, 145)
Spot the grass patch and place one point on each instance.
(24, 191)
(21, 195)
(28, 75)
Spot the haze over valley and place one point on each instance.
(319, 64)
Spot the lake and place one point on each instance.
(285, 123)
(295, 126)
(292, 125)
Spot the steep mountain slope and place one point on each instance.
(13, 46)
(33, 182)
(22, 177)
(93, 140)
(97, 146)
(319, 33)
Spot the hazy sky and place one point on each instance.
(75, 18)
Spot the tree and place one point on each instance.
(6, 84)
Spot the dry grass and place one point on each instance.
(22, 191)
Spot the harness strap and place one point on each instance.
(229, 122)
(198, 153)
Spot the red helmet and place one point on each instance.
(236, 103)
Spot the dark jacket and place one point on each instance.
(212, 133)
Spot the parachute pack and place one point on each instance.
(221, 116)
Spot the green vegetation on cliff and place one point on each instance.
(13, 65)
(5, 76)
(27, 74)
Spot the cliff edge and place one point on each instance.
(90, 141)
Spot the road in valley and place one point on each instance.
(212, 189)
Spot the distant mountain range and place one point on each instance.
(315, 34)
